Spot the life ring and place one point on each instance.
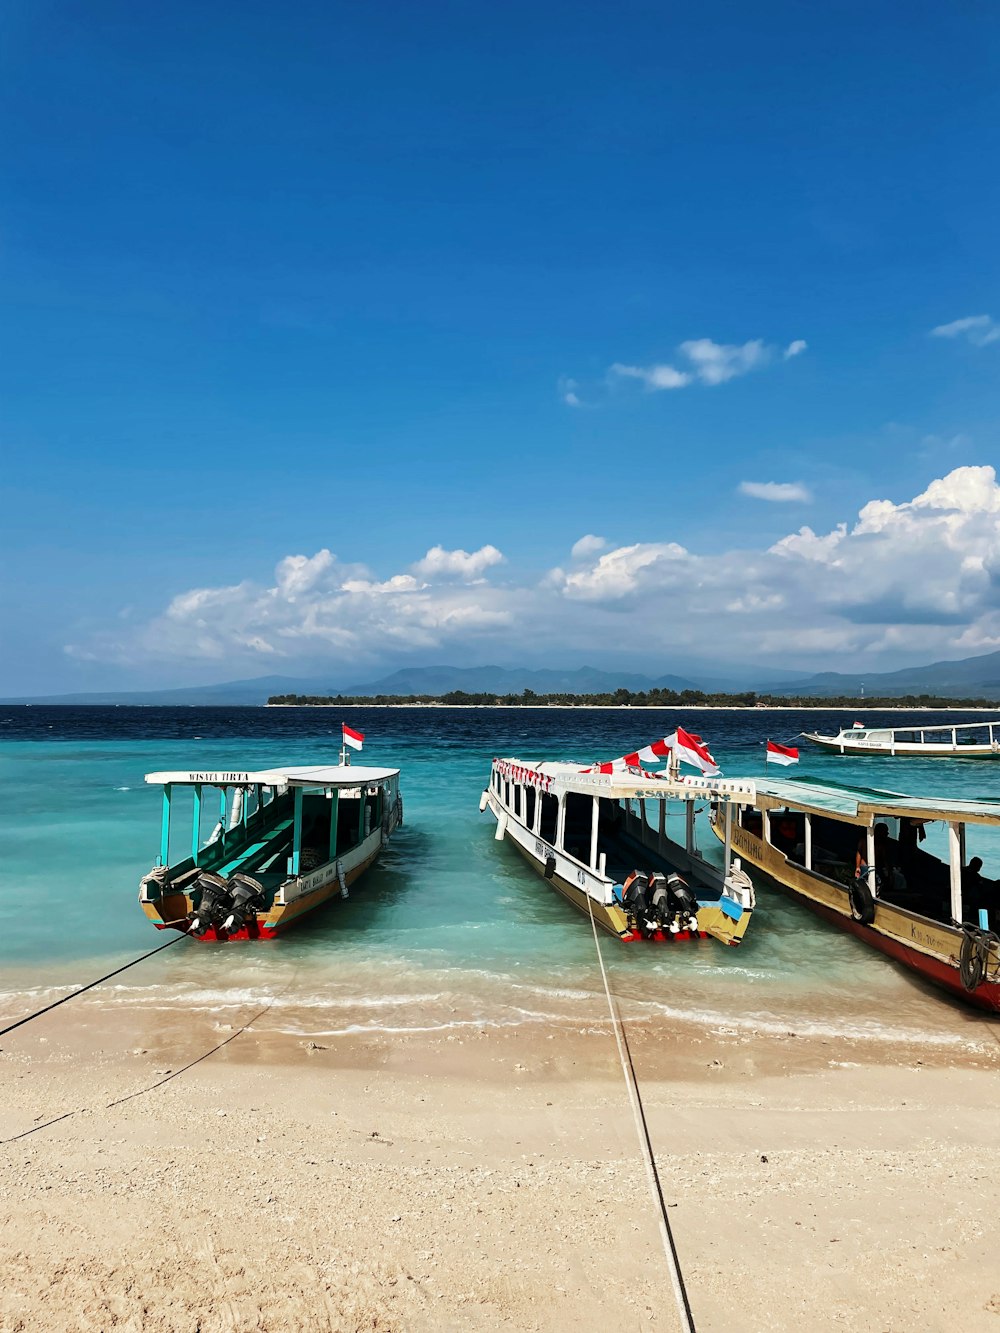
(862, 899)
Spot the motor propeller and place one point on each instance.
(216, 898)
(247, 896)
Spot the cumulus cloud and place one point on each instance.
(978, 329)
(781, 492)
(917, 577)
(467, 565)
(588, 545)
(709, 363)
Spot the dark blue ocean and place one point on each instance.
(451, 929)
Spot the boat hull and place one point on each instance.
(929, 948)
(267, 925)
(902, 750)
(172, 911)
(579, 886)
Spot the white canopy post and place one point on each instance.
(561, 823)
(870, 857)
(593, 833)
(956, 859)
(808, 841)
(729, 837)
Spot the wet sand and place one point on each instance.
(489, 1179)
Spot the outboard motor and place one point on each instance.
(247, 897)
(683, 901)
(213, 905)
(634, 895)
(659, 898)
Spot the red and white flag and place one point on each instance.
(691, 750)
(354, 739)
(781, 754)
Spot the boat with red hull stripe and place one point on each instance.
(854, 857)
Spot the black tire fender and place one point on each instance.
(862, 900)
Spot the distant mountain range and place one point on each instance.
(971, 677)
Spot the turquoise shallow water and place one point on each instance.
(451, 928)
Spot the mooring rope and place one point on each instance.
(645, 1143)
(89, 986)
(174, 1073)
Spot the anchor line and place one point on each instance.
(89, 986)
(174, 1073)
(645, 1143)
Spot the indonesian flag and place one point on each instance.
(691, 750)
(781, 754)
(354, 739)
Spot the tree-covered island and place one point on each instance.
(623, 698)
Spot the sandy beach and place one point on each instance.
(490, 1179)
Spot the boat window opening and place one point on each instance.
(529, 807)
(506, 794)
(549, 818)
(788, 835)
(905, 874)
(517, 800)
(980, 888)
(751, 820)
(578, 826)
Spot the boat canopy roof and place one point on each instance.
(626, 784)
(882, 732)
(866, 804)
(316, 775)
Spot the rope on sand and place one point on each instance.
(645, 1144)
(89, 986)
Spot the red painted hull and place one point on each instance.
(250, 931)
(945, 975)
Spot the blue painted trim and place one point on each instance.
(165, 827)
(196, 824)
(297, 832)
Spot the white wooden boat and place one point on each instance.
(286, 840)
(952, 740)
(855, 857)
(602, 841)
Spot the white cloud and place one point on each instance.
(710, 363)
(588, 545)
(715, 363)
(465, 565)
(568, 391)
(918, 577)
(779, 491)
(978, 329)
(654, 377)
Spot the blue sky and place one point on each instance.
(357, 279)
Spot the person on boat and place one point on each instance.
(979, 893)
(972, 878)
